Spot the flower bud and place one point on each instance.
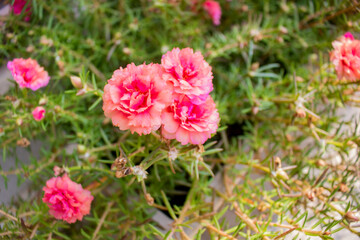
(76, 82)
(280, 173)
(149, 199)
(352, 217)
(19, 121)
(81, 149)
(43, 101)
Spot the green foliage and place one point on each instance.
(266, 174)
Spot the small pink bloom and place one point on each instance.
(349, 35)
(190, 123)
(189, 73)
(214, 10)
(135, 96)
(38, 113)
(66, 199)
(18, 7)
(346, 57)
(57, 170)
(28, 73)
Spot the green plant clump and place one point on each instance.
(284, 161)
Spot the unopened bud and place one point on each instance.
(19, 121)
(310, 194)
(280, 173)
(321, 163)
(127, 51)
(255, 66)
(343, 188)
(283, 30)
(57, 170)
(300, 113)
(254, 110)
(76, 82)
(352, 217)
(81, 149)
(43, 101)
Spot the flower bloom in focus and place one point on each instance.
(18, 7)
(346, 57)
(66, 199)
(28, 73)
(188, 122)
(214, 10)
(38, 113)
(189, 73)
(135, 97)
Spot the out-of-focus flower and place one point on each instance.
(38, 113)
(18, 7)
(346, 57)
(189, 73)
(66, 199)
(190, 123)
(214, 10)
(28, 73)
(135, 97)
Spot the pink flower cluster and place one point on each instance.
(66, 199)
(346, 57)
(172, 96)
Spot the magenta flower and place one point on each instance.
(214, 10)
(135, 97)
(38, 113)
(346, 57)
(28, 73)
(189, 73)
(18, 7)
(66, 199)
(188, 122)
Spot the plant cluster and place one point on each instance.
(282, 163)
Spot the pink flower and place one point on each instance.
(28, 73)
(189, 73)
(135, 96)
(38, 113)
(66, 199)
(188, 122)
(18, 6)
(214, 10)
(346, 57)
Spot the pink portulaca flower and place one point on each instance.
(188, 122)
(135, 97)
(18, 7)
(346, 57)
(214, 10)
(66, 199)
(38, 113)
(28, 73)
(189, 73)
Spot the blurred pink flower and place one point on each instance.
(66, 199)
(38, 113)
(135, 96)
(189, 73)
(28, 73)
(190, 123)
(18, 6)
(346, 57)
(214, 10)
